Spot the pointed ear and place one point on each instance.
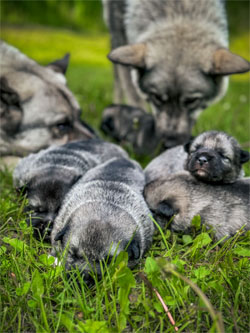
(60, 65)
(187, 145)
(60, 234)
(226, 63)
(129, 55)
(244, 156)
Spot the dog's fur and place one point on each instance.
(178, 54)
(130, 126)
(47, 176)
(225, 207)
(212, 156)
(37, 109)
(104, 212)
(215, 157)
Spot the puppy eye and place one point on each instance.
(74, 254)
(37, 209)
(194, 149)
(41, 210)
(226, 158)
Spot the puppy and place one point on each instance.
(224, 207)
(104, 213)
(215, 157)
(47, 176)
(37, 109)
(212, 156)
(130, 125)
(172, 54)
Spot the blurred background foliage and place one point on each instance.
(79, 15)
(86, 15)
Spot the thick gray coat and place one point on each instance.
(47, 176)
(224, 207)
(104, 212)
(213, 156)
(174, 55)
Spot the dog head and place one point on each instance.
(91, 237)
(45, 192)
(127, 124)
(215, 157)
(37, 108)
(180, 72)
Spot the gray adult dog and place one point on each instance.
(47, 176)
(104, 213)
(174, 54)
(212, 156)
(37, 109)
(224, 207)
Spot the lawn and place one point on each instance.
(204, 283)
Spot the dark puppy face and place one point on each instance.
(45, 195)
(215, 157)
(89, 241)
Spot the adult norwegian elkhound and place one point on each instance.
(37, 109)
(175, 53)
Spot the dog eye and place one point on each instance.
(61, 128)
(37, 209)
(226, 158)
(157, 99)
(74, 254)
(194, 149)
(191, 102)
(64, 126)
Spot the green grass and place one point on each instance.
(35, 296)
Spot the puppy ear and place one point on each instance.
(225, 63)
(244, 156)
(75, 179)
(60, 234)
(134, 250)
(165, 210)
(60, 65)
(187, 145)
(129, 55)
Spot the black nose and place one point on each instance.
(202, 159)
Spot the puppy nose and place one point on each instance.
(202, 159)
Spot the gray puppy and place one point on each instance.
(173, 54)
(37, 109)
(47, 176)
(104, 213)
(130, 125)
(212, 156)
(224, 207)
